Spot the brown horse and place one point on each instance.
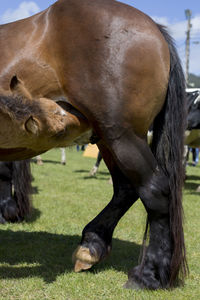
(120, 73)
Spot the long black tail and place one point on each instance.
(22, 186)
(167, 146)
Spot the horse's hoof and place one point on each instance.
(92, 250)
(9, 211)
(82, 259)
(140, 279)
(2, 220)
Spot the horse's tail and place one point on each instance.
(167, 146)
(22, 186)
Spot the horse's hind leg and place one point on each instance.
(137, 162)
(97, 235)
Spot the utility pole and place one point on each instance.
(188, 14)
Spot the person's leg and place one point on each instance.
(63, 156)
(196, 155)
(39, 160)
(96, 166)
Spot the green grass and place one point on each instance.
(35, 256)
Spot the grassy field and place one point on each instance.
(35, 256)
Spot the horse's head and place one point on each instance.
(32, 126)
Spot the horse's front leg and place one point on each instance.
(97, 235)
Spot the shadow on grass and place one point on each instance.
(191, 186)
(192, 181)
(49, 255)
(35, 190)
(96, 178)
(101, 175)
(46, 161)
(193, 177)
(88, 171)
(33, 216)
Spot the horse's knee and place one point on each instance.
(139, 165)
(155, 194)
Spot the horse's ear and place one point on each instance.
(18, 88)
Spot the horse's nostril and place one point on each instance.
(13, 83)
(32, 125)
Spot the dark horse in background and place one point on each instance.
(120, 73)
(15, 190)
(192, 138)
(193, 103)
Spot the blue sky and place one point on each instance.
(170, 13)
